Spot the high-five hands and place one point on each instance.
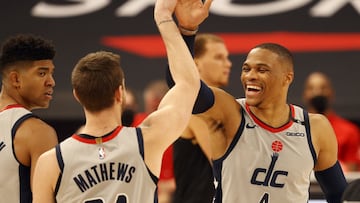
(191, 13)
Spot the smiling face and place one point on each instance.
(34, 83)
(266, 77)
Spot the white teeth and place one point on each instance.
(253, 87)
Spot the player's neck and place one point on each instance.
(274, 117)
(97, 124)
(6, 100)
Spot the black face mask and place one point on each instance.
(320, 103)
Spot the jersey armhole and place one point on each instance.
(308, 134)
(142, 153)
(13, 132)
(61, 166)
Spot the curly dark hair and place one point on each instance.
(25, 47)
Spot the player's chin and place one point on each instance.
(44, 104)
(251, 101)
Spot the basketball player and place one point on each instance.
(107, 162)
(265, 149)
(27, 69)
(192, 154)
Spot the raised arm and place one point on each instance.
(188, 25)
(165, 125)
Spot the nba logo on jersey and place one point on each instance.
(101, 153)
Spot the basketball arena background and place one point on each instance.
(324, 35)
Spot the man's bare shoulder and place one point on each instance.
(37, 127)
(319, 125)
(48, 161)
(224, 100)
(317, 119)
(32, 138)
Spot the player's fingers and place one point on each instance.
(207, 4)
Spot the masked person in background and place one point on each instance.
(318, 97)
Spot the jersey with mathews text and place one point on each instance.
(265, 164)
(110, 169)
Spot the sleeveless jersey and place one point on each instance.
(267, 165)
(193, 173)
(110, 169)
(14, 177)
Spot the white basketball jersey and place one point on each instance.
(14, 177)
(110, 169)
(265, 164)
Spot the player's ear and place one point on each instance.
(120, 94)
(289, 77)
(198, 64)
(75, 95)
(14, 79)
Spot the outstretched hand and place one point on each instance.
(191, 13)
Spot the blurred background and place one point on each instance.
(323, 35)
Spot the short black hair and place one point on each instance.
(25, 47)
(278, 49)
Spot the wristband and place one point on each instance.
(187, 32)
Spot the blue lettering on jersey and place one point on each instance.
(265, 198)
(104, 172)
(2, 145)
(270, 175)
(295, 134)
